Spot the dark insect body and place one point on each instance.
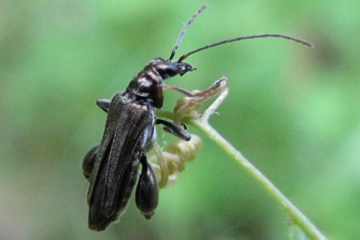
(112, 167)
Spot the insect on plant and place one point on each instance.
(113, 166)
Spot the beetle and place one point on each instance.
(112, 167)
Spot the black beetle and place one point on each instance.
(112, 166)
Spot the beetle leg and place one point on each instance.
(104, 104)
(88, 161)
(174, 129)
(183, 91)
(147, 191)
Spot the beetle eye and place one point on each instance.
(184, 68)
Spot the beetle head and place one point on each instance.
(168, 69)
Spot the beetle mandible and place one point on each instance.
(112, 166)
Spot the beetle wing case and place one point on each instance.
(129, 128)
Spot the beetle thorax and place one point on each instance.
(147, 86)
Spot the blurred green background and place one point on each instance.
(292, 111)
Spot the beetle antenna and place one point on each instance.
(182, 33)
(250, 37)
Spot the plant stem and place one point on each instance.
(202, 123)
(294, 213)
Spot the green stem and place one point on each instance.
(294, 213)
(202, 123)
